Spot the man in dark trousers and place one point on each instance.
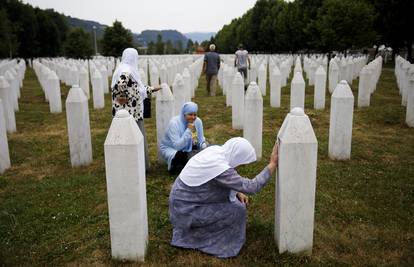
(210, 68)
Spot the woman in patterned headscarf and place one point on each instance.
(128, 91)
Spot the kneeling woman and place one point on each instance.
(207, 205)
(183, 138)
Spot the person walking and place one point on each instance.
(211, 67)
(242, 62)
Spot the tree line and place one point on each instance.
(320, 25)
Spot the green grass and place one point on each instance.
(52, 214)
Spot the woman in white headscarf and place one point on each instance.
(207, 204)
(128, 91)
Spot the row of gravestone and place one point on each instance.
(404, 72)
(11, 80)
(126, 185)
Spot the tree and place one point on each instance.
(344, 25)
(169, 48)
(48, 35)
(116, 39)
(159, 45)
(8, 45)
(394, 23)
(78, 44)
(151, 48)
(190, 46)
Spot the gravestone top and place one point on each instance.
(297, 111)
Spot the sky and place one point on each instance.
(182, 15)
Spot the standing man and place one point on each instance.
(241, 60)
(210, 68)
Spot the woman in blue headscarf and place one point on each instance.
(183, 138)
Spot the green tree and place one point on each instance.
(169, 48)
(159, 45)
(116, 39)
(344, 25)
(151, 48)
(78, 44)
(190, 46)
(8, 45)
(394, 24)
(48, 36)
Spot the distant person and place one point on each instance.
(242, 62)
(207, 203)
(128, 92)
(183, 138)
(211, 67)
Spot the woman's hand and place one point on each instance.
(156, 88)
(274, 159)
(190, 126)
(243, 198)
(122, 100)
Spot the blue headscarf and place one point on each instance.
(187, 108)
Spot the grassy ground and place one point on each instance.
(52, 214)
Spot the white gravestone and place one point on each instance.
(296, 184)
(13, 90)
(262, 79)
(333, 76)
(364, 92)
(409, 118)
(8, 107)
(97, 90)
(105, 84)
(320, 88)
(340, 125)
(4, 145)
(275, 84)
(164, 111)
(79, 132)
(126, 188)
(55, 101)
(297, 91)
(228, 77)
(237, 106)
(84, 81)
(187, 84)
(253, 118)
(179, 93)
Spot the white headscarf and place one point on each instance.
(129, 64)
(214, 160)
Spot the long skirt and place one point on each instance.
(215, 228)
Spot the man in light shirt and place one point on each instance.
(242, 62)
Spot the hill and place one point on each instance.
(199, 36)
(167, 35)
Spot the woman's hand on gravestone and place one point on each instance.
(156, 88)
(122, 100)
(243, 198)
(274, 159)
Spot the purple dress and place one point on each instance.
(204, 217)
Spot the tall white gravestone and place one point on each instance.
(275, 84)
(4, 145)
(97, 90)
(297, 91)
(296, 184)
(79, 132)
(409, 116)
(164, 111)
(364, 92)
(8, 107)
(237, 107)
(84, 81)
(253, 118)
(340, 125)
(320, 88)
(179, 93)
(55, 101)
(262, 79)
(126, 188)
